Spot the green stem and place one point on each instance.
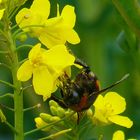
(23, 46)
(18, 96)
(47, 125)
(10, 126)
(5, 65)
(6, 83)
(7, 107)
(4, 52)
(52, 136)
(6, 95)
(32, 107)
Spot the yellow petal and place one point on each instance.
(1, 13)
(35, 51)
(69, 15)
(59, 57)
(24, 18)
(121, 120)
(52, 34)
(43, 82)
(41, 7)
(72, 37)
(99, 117)
(25, 71)
(116, 101)
(50, 40)
(99, 102)
(118, 135)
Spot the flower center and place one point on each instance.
(108, 110)
(37, 61)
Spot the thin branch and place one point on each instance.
(32, 107)
(23, 46)
(7, 95)
(48, 125)
(22, 61)
(52, 136)
(24, 88)
(7, 83)
(5, 65)
(6, 107)
(20, 29)
(4, 52)
(11, 126)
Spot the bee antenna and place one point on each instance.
(111, 86)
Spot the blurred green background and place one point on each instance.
(98, 27)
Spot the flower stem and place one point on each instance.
(52, 136)
(18, 96)
(6, 83)
(10, 126)
(48, 125)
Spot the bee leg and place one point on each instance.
(59, 101)
(80, 116)
(84, 65)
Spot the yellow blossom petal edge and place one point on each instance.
(62, 30)
(69, 16)
(116, 101)
(41, 7)
(25, 71)
(121, 120)
(118, 135)
(43, 82)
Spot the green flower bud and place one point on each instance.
(55, 119)
(53, 103)
(60, 112)
(22, 37)
(46, 117)
(67, 113)
(75, 117)
(53, 110)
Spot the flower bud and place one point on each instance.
(53, 103)
(46, 117)
(54, 119)
(60, 112)
(53, 110)
(22, 37)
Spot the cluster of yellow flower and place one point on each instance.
(47, 65)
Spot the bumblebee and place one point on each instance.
(81, 93)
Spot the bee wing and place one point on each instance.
(111, 86)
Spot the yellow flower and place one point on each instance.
(118, 135)
(45, 66)
(108, 108)
(51, 31)
(58, 30)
